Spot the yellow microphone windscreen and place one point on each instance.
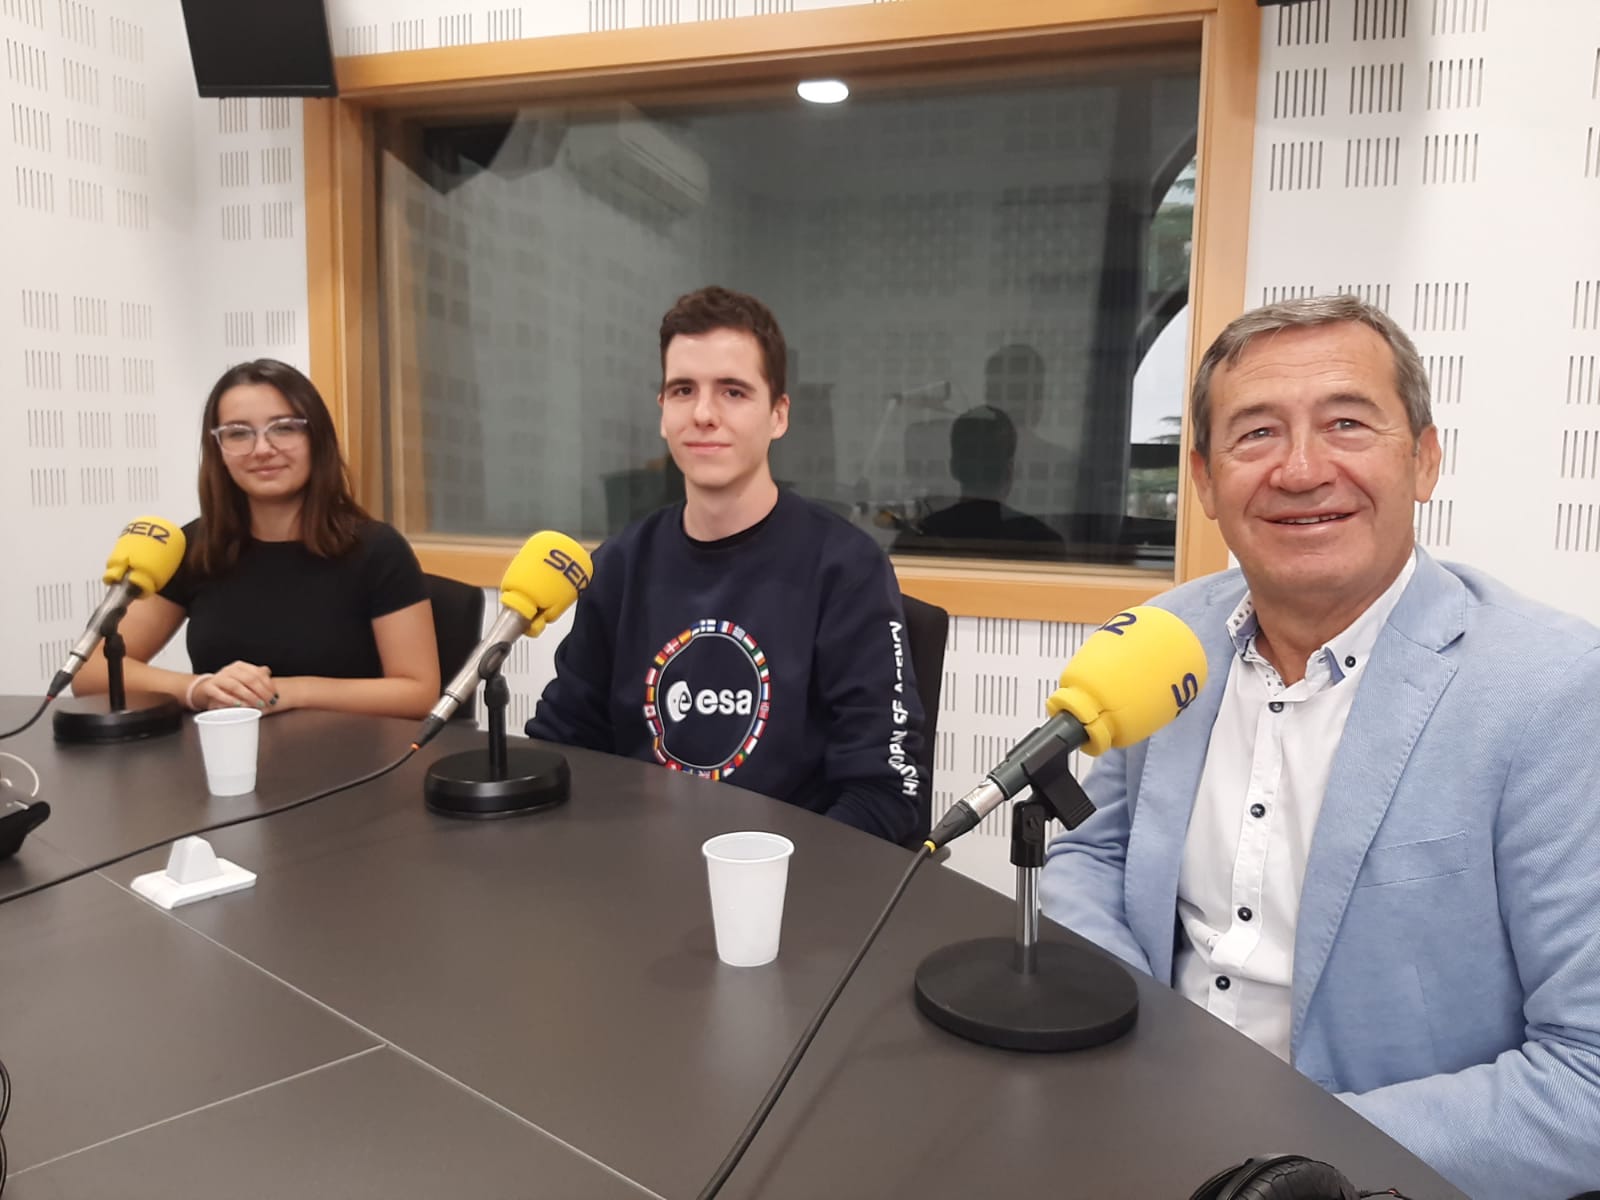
(1135, 673)
(147, 554)
(545, 577)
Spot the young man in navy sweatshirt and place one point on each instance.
(746, 634)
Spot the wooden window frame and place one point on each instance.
(723, 56)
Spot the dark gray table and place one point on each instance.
(409, 1006)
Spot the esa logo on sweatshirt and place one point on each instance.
(707, 699)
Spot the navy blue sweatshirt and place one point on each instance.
(776, 658)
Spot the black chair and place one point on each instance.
(457, 626)
(926, 628)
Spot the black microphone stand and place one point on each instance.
(508, 781)
(1022, 993)
(120, 715)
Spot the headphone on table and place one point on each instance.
(1282, 1177)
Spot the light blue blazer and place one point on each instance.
(1447, 956)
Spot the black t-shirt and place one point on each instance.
(283, 608)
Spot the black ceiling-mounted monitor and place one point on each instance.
(260, 47)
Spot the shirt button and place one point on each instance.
(1223, 983)
(1245, 914)
(1276, 706)
(1258, 811)
(1350, 661)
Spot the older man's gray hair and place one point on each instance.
(1411, 380)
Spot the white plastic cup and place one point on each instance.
(229, 738)
(748, 873)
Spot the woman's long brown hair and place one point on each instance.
(330, 518)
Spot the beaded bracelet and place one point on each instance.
(188, 697)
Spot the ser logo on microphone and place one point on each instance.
(1185, 691)
(149, 529)
(568, 566)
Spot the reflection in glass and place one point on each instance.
(966, 276)
(983, 456)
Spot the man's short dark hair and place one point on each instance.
(713, 308)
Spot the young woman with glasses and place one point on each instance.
(295, 597)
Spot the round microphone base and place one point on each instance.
(1074, 998)
(463, 785)
(93, 720)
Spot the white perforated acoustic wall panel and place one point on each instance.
(383, 26)
(250, 192)
(100, 357)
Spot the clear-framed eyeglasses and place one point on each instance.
(238, 439)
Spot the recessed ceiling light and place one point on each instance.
(823, 91)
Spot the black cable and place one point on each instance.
(5, 1107)
(212, 828)
(788, 1068)
(28, 724)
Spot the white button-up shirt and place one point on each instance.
(1244, 860)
